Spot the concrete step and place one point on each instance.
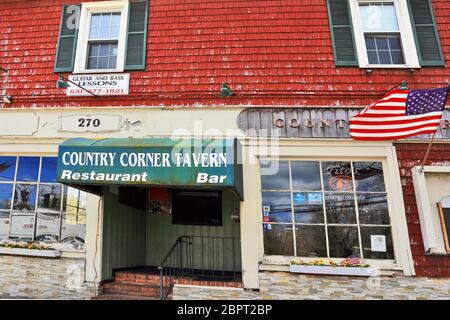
(111, 296)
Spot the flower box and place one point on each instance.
(343, 271)
(31, 252)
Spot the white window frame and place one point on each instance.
(382, 263)
(310, 150)
(87, 9)
(430, 225)
(406, 35)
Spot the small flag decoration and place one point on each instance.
(400, 114)
(352, 260)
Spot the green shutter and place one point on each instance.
(342, 33)
(136, 50)
(67, 39)
(425, 33)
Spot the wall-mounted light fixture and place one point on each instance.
(6, 99)
(225, 91)
(403, 85)
(63, 83)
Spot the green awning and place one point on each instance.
(183, 162)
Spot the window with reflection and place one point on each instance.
(325, 209)
(34, 207)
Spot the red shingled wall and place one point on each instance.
(269, 52)
(410, 155)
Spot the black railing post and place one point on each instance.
(161, 283)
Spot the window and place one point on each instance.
(432, 191)
(383, 33)
(103, 41)
(197, 207)
(325, 209)
(106, 36)
(33, 206)
(102, 37)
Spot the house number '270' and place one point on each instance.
(88, 123)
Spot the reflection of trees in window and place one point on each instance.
(25, 197)
(75, 206)
(27, 183)
(49, 198)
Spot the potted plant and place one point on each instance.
(332, 268)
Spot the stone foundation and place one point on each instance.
(43, 278)
(284, 285)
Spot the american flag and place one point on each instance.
(400, 114)
(352, 260)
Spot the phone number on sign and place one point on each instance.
(96, 91)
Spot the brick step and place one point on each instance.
(154, 282)
(111, 296)
(134, 289)
(123, 276)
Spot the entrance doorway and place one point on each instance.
(184, 235)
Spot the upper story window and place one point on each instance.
(106, 36)
(102, 37)
(384, 33)
(103, 42)
(381, 33)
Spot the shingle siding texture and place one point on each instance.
(410, 155)
(269, 53)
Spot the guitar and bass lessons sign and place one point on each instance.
(159, 161)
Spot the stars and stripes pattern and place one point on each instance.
(352, 260)
(400, 114)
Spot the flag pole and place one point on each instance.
(428, 150)
(434, 135)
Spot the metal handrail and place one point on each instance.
(165, 271)
(179, 260)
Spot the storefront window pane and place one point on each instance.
(311, 241)
(25, 197)
(308, 207)
(337, 176)
(7, 168)
(325, 195)
(377, 242)
(278, 239)
(47, 226)
(28, 169)
(4, 224)
(373, 209)
(343, 241)
(277, 207)
(48, 171)
(22, 225)
(275, 175)
(49, 198)
(306, 176)
(369, 176)
(5, 196)
(340, 208)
